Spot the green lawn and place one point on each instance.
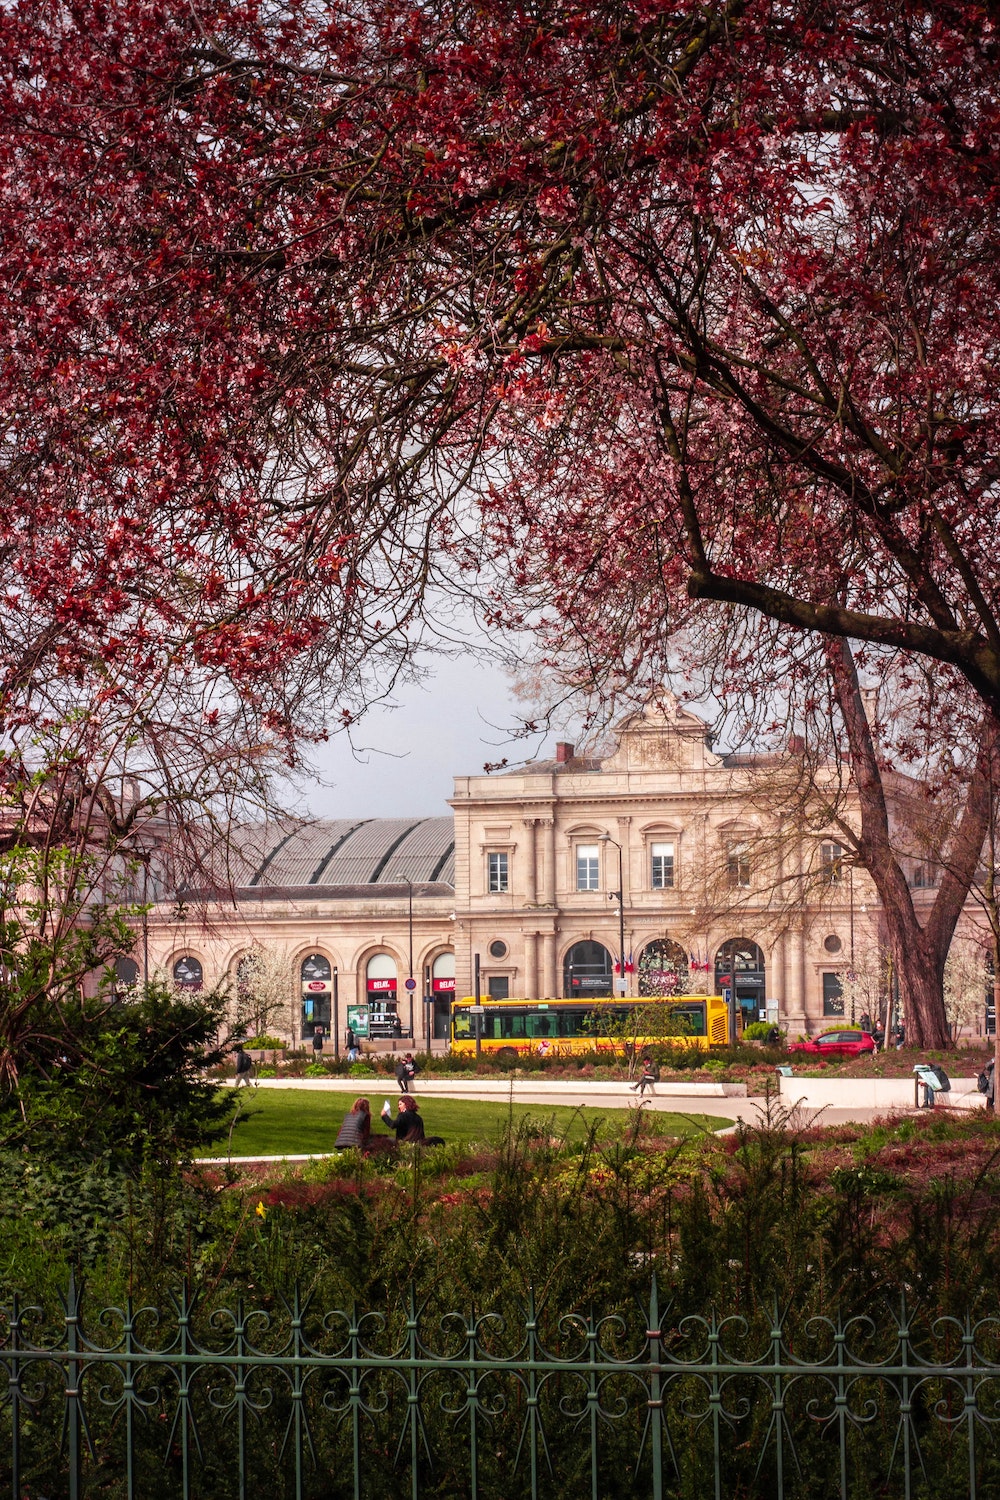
(276, 1122)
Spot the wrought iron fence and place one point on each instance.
(287, 1401)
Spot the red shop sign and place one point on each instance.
(381, 984)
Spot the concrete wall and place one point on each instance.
(872, 1093)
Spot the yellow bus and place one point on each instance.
(509, 1028)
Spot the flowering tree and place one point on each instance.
(694, 298)
(265, 984)
(966, 982)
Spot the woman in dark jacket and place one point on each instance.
(357, 1127)
(408, 1125)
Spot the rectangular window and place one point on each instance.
(833, 995)
(499, 986)
(587, 863)
(831, 863)
(498, 872)
(663, 866)
(924, 877)
(739, 865)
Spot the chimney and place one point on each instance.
(564, 752)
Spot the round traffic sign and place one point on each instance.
(410, 984)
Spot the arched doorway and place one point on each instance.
(442, 993)
(663, 968)
(316, 975)
(587, 971)
(381, 987)
(739, 965)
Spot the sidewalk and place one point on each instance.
(721, 1101)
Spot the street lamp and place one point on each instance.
(619, 896)
(410, 982)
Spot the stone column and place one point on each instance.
(550, 989)
(530, 881)
(547, 882)
(531, 966)
(795, 988)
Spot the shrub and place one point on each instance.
(757, 1031)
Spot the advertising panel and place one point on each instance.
(357, 1019)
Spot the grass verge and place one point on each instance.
(278, 1122)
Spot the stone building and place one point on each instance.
(685, 868)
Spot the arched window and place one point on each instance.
(316, 969)
(443, 974)
(126, 976)
(663, 968)
(188, 973)
(380, 975)
(587, 971)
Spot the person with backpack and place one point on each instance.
(244, 1067)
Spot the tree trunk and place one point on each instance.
(919, 964)
(918, 951)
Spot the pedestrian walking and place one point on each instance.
(244, 1067)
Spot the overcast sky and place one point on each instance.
(407, 757)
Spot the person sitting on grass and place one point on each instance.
(357, 1127)
(408, 1125)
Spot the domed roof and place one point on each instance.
(345, 852)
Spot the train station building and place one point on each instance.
(661, 868)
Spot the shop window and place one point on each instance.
(188, 973)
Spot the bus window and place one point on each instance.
(539, 1025)
(512, 1025)
(691, 1017)
(463, 1026)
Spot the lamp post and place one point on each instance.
(850, 971)
(619, 896)
(409, 921)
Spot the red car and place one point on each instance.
(837, 1044)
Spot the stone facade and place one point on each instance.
(707, 869)
(698, 866)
